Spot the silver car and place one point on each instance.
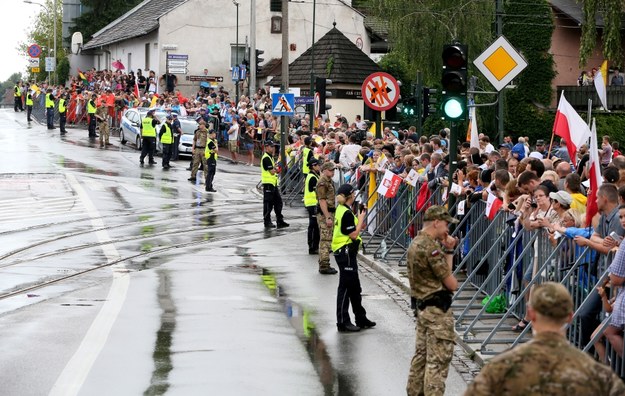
(130, 131)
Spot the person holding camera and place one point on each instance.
(345, 243)
(432, 283)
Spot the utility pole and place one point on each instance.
(236, 91)
(418, 95)
(312, 67)
(501, 94)
(252, 87)
(284, 87)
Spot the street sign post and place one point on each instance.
(33, 62)
(178, 56)
(205, 78)
(380, 91)
(35, 70)
(50, 64)
(34, 51)
(283, 104)
(178, 70)
(235, 73)
(500, 63)
(177, 63)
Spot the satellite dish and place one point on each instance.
(76, 43)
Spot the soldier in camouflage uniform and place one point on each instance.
(325, 216)
(432, 284)
(102, 116)
(548, 364)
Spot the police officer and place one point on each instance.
(210, 153)
(29, 105)
(547, 364)
(167, 139)
(102, 116)
(432, 283)
(177, 128)
(62, 113)
(50, 108)
(271, 193)
(199, 146)
(310, 202)
(345, 243)
(148, 134)
(307, 156)
(91, 110)
(326, 205)
(17, 97)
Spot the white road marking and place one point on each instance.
(77, 369)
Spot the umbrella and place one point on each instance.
(118, 65)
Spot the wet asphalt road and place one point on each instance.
(121, 280)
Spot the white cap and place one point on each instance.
(536, 154)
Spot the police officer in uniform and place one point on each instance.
(271, 193)
(432, 284)
(345, 243)
(29, 105)
(102, 116)
(148, 134)
(17, 96)
(547, 364)
(62, 113)
(199, 147)
(307, 156)
(50, 108)
(310, 202)
(167, 139)
(326, 198)
(210, 153)
(91, 110)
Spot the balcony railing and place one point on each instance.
(578, 96)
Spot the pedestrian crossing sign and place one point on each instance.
(283, 104)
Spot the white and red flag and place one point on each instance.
(570, 126)
(493, 204)
(389, 185)
(594, 175)
(136, 90)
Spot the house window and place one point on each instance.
(129, 63)
(147, 57)
(275, 5)
(276, 24)
(233, 54)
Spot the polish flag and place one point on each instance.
(389, 185)
(136, 91)
(570, 126)
(493, 204)
(474, 139)
(594, 174)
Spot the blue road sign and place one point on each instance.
(243, 72)
(283, 104)
(304, 100)
(235, 73)
(178, 56)
(34, 51)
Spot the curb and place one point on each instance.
(403, 283)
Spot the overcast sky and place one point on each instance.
(17, 17)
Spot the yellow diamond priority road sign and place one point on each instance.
(500, 63)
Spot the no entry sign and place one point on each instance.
(380, 91)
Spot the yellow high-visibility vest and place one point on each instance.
(208, 152)
(49, 102)
(61, 105)
(167, 137)
(310, 198)
(265, 176)
(148, 129)
(338, 238)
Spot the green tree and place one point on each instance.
(528, 25)
(42, 33)
(612, 12)
(419, 29)
(100, 13)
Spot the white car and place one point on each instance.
(188, 126)
(130, 130)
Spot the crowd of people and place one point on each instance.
(587, 78)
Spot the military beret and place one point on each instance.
(551, 300)
(437, 212)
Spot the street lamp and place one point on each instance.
(236, 93)
(54, 17)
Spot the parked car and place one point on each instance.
(188, 125)
(130, 131)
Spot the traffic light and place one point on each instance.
(259, 60)
(454, 82)
(409, 106)
(321, 88)
(429, 101)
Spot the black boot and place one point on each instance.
(347, 328)
(365, 323)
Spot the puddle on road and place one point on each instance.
(119, 197)
(159, 383)
(82, 167)
(333, 381)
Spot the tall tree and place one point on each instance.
(418, 29)
(612, 12)
(100, 13)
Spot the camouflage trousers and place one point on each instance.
(104, 134)
(198, 158)
(433, 352)
(325, 240)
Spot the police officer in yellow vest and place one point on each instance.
(148, 135)
(345, 243)
(50, 108)
(310, 202)
(62, 113)
(271, 193)
(210, 153)
(166, 136)
(17, 96)
(29, 105)
(307, 156)
(91, 109)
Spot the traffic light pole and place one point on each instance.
(453, 161)
(419, 97)
(500, 95)
(312, 68)
(284, 88)
(378, 125)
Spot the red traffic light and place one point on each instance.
(455, 56)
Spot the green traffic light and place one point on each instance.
(453, 108)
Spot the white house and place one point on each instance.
(206, 31)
